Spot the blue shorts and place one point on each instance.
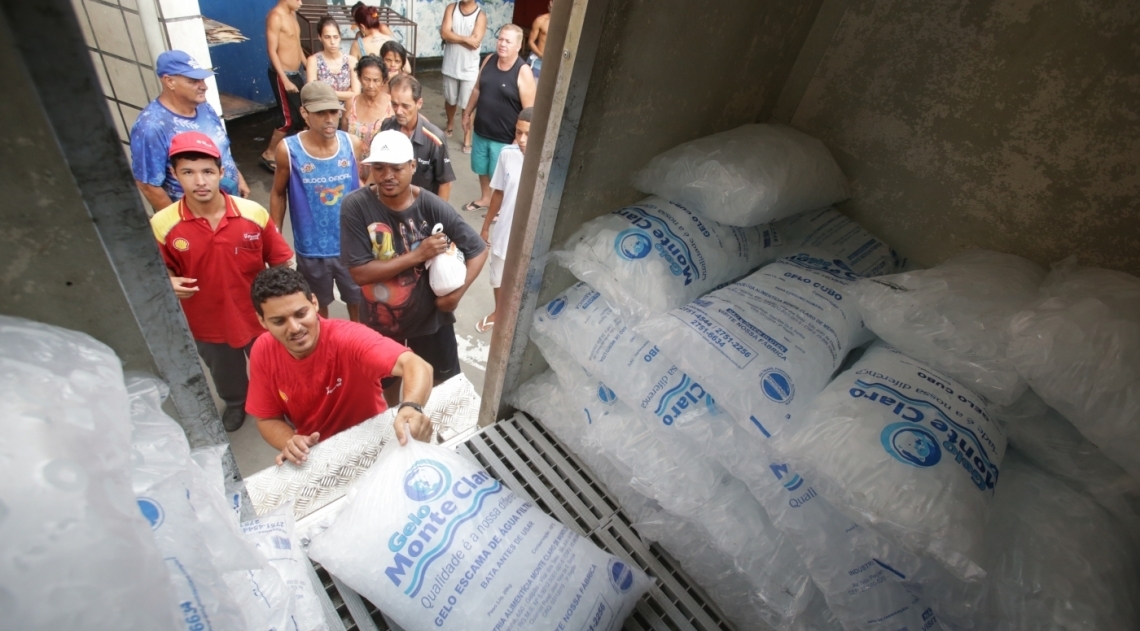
(485, 154)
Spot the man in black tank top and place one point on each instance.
(505, 86)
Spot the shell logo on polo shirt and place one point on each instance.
(284, 397)
(181, 244)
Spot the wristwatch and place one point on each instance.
(410, 404)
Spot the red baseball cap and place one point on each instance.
(193, 141)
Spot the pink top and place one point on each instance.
(362, 130)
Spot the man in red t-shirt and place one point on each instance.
(312, 377)
(214, 245)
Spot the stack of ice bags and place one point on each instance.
(109, 519)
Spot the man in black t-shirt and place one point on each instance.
(385, 239)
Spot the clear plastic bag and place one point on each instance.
(654, 256)
(1078, 347)
(1051, 443)
(906, 450)
(1057, 559)
(67, 509)
(955, 316)
(766, 344)
(833, 232)
(272, 535)
(747, 176)
(435, 542)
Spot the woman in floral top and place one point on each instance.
(330, 65)
(365, 112)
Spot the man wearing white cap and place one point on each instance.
(179, 108)
(386, 237)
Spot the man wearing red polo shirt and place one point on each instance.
(312, 377)
(214, 245)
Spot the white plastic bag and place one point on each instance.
(446, 272)
(1057, 560)
(67, 512)
(747, 176)
(207, 559)
(766, 344)
(436, 542)
(1078, 347)
(654, 256)
(906, 450)
(955, 316)
(1051, 443)
(833, 232)
(272, 536)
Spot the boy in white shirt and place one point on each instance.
(504, 189)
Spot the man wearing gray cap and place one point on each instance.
(386, 238)
(180, 107)
(316, 169)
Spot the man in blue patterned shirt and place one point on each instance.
(180, 107)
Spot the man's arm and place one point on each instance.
(475, 42)
(532, 41)
(181, 284)
(380, 271)
(294, 447)
(444, 191)
(445, 31)
(155, 195)
(526, 86)
(492, 212)
(243, 188)
(272, 35)
(417, 377)
(469, 109)
(278, 196)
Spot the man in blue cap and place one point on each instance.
(180, 107)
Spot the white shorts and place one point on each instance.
(497, 264)
(456, 92)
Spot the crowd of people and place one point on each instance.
(365, 179)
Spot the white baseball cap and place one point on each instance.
(390, 147)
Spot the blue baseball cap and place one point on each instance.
(177, 62)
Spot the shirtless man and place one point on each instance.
(286, 72)
(537, 40)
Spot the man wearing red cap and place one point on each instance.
(214, 245)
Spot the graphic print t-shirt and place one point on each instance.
(150, 146)
(403, 306)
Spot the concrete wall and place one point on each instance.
(1006, 124)
(53, 267)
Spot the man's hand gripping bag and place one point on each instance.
(436, 543)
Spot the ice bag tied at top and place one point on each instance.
(905, 450)
(437, 543)
(747, 176)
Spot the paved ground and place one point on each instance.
(249, 136)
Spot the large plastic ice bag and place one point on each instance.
(437, 543)
(747, 176)
(1045, 438)
(906, 450)
(833, 232)
(955, 316)
(1078, 347)
(68, 519)
(1057, 559)
(273, 536)
(766, 344)
(655, 255)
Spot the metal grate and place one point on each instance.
(531, 462)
